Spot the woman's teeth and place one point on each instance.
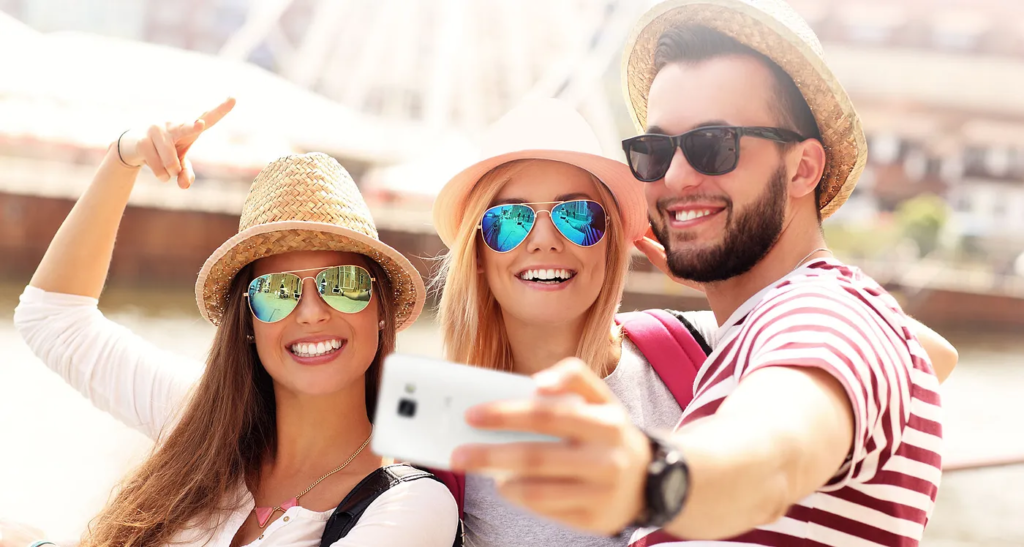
(683, 216)
(317, 349)
(557, 276)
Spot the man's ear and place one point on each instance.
(807, 165)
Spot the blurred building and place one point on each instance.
(199, 25)
(937, 82)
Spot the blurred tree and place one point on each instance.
(921, 219)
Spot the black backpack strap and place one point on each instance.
(347, 514)
(693, 330)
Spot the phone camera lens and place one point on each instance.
(407, 408)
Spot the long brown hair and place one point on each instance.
(471, 322)
(192, 479)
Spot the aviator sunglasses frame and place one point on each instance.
(302, 281)
(554, 205)
(684, 141)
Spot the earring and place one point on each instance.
(250, 338)
(381, 324)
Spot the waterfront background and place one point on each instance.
(938, 216)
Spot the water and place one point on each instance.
(60, 457)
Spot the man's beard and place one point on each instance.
(749, 235)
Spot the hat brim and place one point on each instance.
(840, 127)
(276, 238)
(449, 207)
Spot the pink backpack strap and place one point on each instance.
(669, 346)
(676, 355)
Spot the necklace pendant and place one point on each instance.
(263, 514)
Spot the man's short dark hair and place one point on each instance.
(693, 44)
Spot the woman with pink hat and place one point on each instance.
(539, 235)
(265, 444)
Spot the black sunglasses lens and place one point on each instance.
(650, 156)
(712, 150)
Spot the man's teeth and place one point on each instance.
(683, 216)
(315, 350)
(546, 275)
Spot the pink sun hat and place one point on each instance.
(543, 129)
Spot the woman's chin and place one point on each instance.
(315, 381)
(551, 316)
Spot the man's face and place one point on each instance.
(717, 227)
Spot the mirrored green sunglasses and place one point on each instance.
(274, 296)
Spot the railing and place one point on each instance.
(928, 274)
(970, 464)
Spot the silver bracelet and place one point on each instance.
(126, 164)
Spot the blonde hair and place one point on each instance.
(471, 321)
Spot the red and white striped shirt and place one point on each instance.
(831, 316)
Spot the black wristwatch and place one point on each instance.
(668, 482)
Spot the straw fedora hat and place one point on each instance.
(305, 203)
(544, 129)
(772, 28)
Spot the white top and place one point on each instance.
(144, 387)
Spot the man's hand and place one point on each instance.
(593, 480)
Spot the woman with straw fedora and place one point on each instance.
(539, 235)
(261, 448)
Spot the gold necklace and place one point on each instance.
(810, 254)
(263, 514)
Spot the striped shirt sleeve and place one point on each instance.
(809, 325)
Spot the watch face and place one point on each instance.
(674, 487)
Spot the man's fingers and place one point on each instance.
(558, 418)
(573, 377)
(552, 496)
(561, 461)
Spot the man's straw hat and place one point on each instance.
(772, 28)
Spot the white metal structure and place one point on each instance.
(452, 64)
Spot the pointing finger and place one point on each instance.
(211, 117)
(187, 131)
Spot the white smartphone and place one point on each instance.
(422, 403)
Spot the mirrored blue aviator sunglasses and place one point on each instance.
(505, 227)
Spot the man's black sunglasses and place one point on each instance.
(712, 150)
